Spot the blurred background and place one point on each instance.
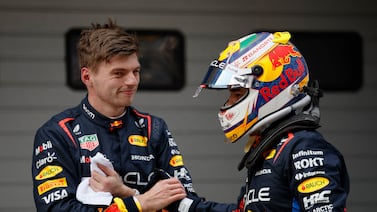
(34, 84)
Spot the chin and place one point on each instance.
(127, 103)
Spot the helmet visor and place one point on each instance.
(216, 76)
(222, 75)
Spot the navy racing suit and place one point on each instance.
(302, 173)
(136, 144)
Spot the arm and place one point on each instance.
(111, 182)
(170, 158)
(56, 173)
(320, 177)
(171, 161)
(163, 193)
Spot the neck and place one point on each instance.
(106, 109)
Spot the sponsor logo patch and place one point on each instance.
(43, 147)
(48, 159)
(313, 184)
(316, 198)
(48, 171)
(57, 195)
(324, 208)
(271, 154)
(51, 184)
(263, 172)
(90, 113)
(302, 175)
(138, 140)
(89, 142)
(85, 159)
(309, 152)
(182, 173)
(176, 160)
(142, 157)
(257, 195)
(309, 163)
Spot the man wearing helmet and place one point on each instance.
(290, 166)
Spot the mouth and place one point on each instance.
(128, 92)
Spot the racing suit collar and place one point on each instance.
(273, 135)
(99, 119)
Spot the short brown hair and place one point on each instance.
(103, 42)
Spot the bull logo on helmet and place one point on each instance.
(282, 54)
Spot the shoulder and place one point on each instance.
(152, 119)
(309, 144)
(156, 127)
(59, 119)
(311, 139)
(55, 133)
(305, 143)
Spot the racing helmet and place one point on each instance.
(274, 73)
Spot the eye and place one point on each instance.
(118, 73)
(136, 71)
(235, 95)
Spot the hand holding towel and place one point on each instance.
(85, 193)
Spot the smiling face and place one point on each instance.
(111, 88)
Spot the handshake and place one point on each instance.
(105, 187)
(186, 204)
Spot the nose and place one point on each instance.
(132, 79)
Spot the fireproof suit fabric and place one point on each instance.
(136, 144)
(303, 173)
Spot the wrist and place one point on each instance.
(136, 192)
(126, 191)
(143, 201)
(137, 203)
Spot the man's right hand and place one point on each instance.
(111, 182)
(163, 193)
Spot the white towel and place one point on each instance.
(85, 193)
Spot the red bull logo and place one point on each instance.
(116, 125)
(289, 76)
(281, 55)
